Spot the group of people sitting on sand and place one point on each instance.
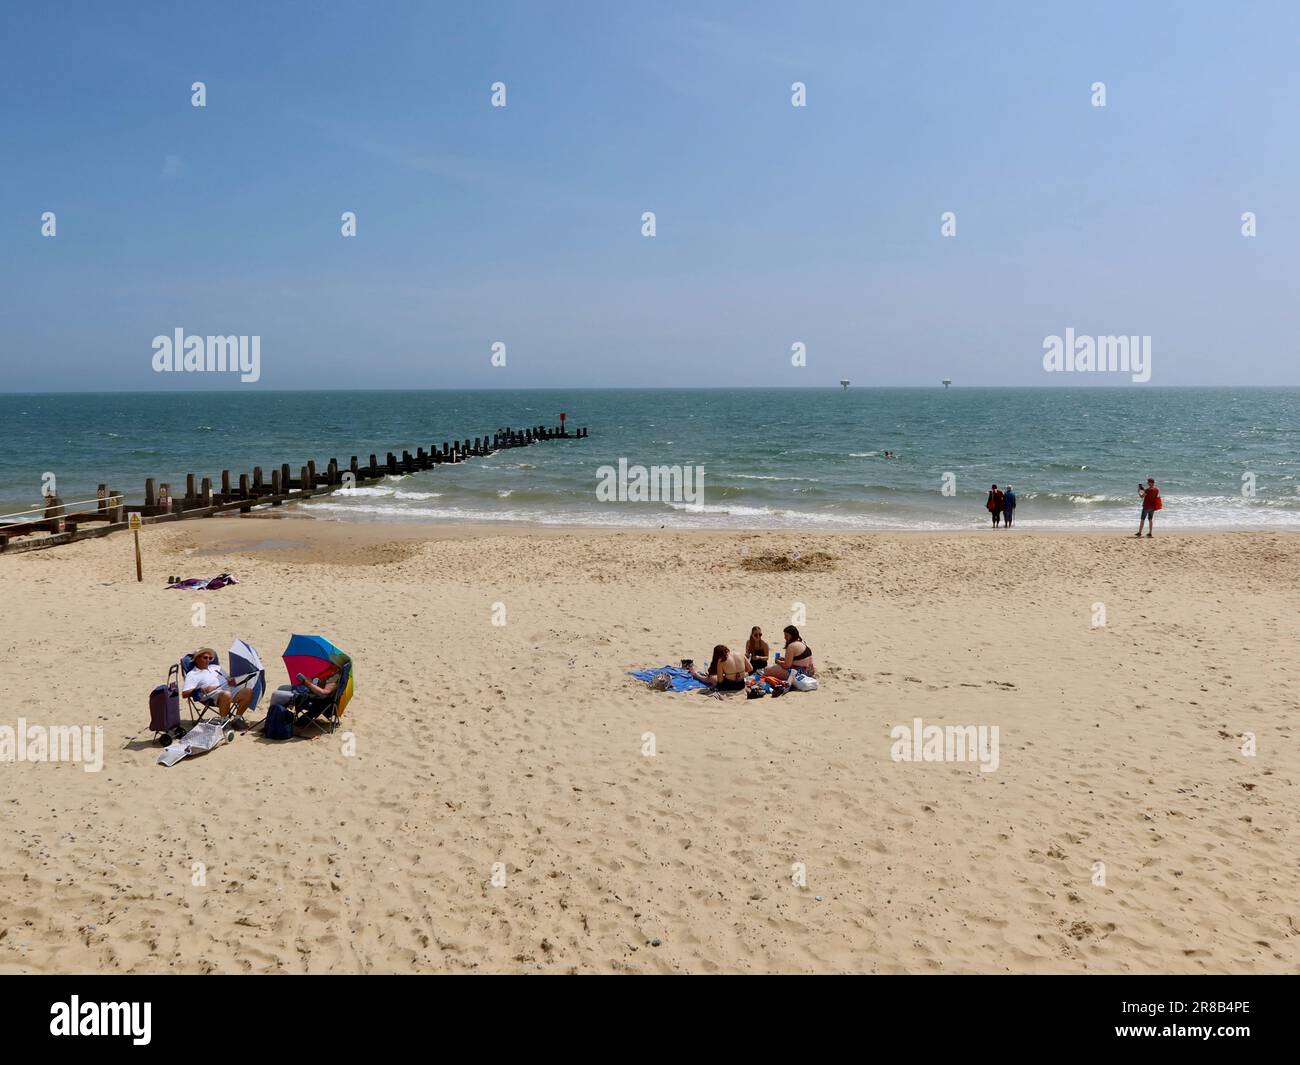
(207, 683)
(729, 670)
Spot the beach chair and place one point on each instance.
(303, 715)
(197, 707)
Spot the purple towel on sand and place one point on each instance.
(209, 584)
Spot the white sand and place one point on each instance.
(522, 744)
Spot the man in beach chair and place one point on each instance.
(207, 687)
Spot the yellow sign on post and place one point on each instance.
(133, 523)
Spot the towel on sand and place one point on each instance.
(682, 681)
(197, 584)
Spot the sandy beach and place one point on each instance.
(760, 836)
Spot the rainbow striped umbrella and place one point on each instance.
(315, 656)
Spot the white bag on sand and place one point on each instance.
(202, 738)
(805, 683)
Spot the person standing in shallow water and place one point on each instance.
(1008, 506)
(994, 505)
(1150, 504)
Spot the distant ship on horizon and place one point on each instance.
(947, 381)
(844, 382)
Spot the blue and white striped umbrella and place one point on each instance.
(245, 662)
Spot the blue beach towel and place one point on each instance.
(681, 680)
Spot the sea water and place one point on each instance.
(770, 458)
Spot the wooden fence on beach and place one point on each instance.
(244, 491)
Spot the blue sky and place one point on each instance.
(523, 224)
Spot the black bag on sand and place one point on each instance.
(279, 723)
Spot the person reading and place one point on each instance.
(314, 695)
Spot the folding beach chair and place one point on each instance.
(302, 711)
(198, 707)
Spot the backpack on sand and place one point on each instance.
(279, 723)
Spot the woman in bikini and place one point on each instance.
(727, 671)
(756, 650)
(798, 655)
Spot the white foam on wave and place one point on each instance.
(720, 508)
(1179, 513)
(766, 477)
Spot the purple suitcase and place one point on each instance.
(164, 708)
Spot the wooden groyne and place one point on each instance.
(244, 491)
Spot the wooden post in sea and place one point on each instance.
(55, 511)
(253, 489)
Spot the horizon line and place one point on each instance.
(1144, 387)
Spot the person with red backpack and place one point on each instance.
(1151, 502)
(994, 504)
